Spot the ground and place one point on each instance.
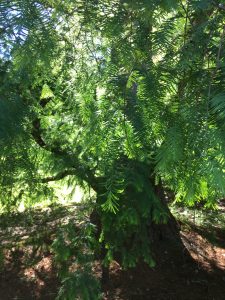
(28, 270)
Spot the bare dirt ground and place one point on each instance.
(28, 271)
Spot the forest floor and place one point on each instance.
(28, 271)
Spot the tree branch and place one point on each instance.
(77, 168)
(59, 176)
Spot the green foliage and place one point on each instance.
(73, 249)
(127, 230)
(121, 96)
(80, 285)
(218, 106)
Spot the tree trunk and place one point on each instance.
(170, 230)
(163, 239)
(166, 238)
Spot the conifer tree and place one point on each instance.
(123, 97)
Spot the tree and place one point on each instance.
(124, 97)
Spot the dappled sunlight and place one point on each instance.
(29, 255)
(112, 149)
(207, 255)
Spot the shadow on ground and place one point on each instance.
(28, 270)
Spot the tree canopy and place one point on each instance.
(121, 97)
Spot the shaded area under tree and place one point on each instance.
(29, 265)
